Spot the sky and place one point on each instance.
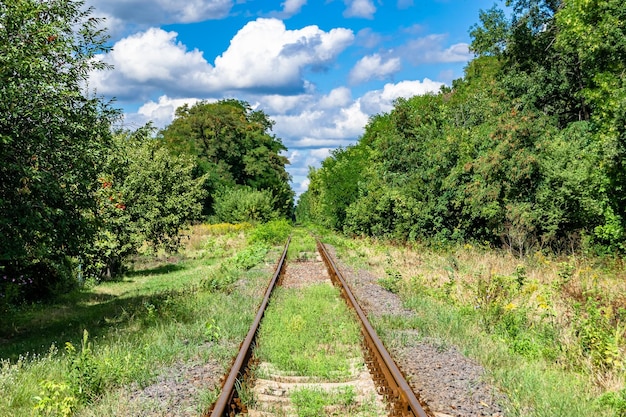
(318, 69)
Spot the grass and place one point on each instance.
(89, 347)
(549, 330)
(302, 245)
(317, 338)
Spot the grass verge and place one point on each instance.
(548, 330)
(84, 349)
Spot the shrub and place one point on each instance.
(244, 204)
(275, 232)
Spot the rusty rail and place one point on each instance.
(386, 374)
(227, 403)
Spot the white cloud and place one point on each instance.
(372, 67)
(158, 12)
(162, 112)
(277, 104)
(320, 153)
(263, 56)
(360, 8)
(146, 61)
(339, 97)
(290, 8)
(430, 49)
(381, 101)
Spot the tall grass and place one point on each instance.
(549, 330)
(58, 358)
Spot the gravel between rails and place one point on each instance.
(450, 383)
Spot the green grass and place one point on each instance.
(523, 361)
(135, 327)
(311, 402)
(302, 246)
(313, 338)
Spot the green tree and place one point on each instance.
(146, 195)
(53, 136)
(233, 144)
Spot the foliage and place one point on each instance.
(230, 270)
(138, 328)
(274, 232)
(56, 400)
(233, 145)
(146, 195)
(83, 376)
(53, 137)
(244, 204)
(526, 151)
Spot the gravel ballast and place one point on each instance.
(443, 378)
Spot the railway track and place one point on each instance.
(388, 381)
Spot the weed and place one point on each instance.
(311, 402)
(393, 277)
(616, 401)
(84, 377)
(274, 232)
(212, 331)
(599, 338)
(245, 393)
(56, 400)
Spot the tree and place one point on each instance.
(146, 195)
(233, 145)
(53, 136)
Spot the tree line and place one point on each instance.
(78, 195)
(527, 150)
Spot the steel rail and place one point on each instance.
(386, 373)
(227, 404)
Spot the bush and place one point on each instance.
(275, 232)
(244, 204)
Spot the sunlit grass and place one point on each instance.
(136, 326)
(546, 328)
(316, 338)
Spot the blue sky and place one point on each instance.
(319, 69)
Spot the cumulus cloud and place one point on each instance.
(159, 12)
(367, 38)
(359, 8)
(162, 112)
(277, 104)
(381, 101)
(148, 60)
(290, 8)
(373, 67)
(430, 49)
(263, 56)
(339, 97)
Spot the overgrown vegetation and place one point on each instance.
(317, 338)
(526, 151)
(78, 198)
(509, 188)
(103, 339)
(548, 329)
(233, 145)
